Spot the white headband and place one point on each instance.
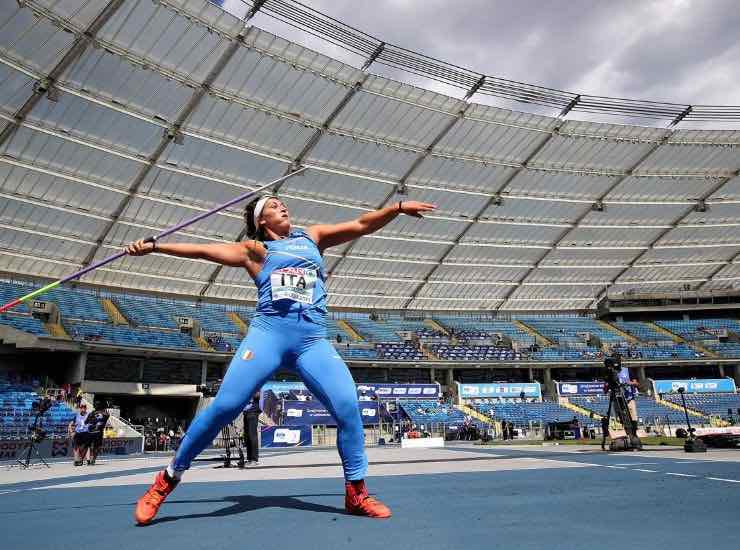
(258, 210)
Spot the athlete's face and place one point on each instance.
(275, 217)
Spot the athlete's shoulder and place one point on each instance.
(309, 233)
(255, 249)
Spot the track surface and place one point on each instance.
(457, 497)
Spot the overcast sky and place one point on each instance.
(684, 51)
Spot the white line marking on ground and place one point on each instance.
(646, 470)
(616, 467)
(680, 475)
(635, 463)
(723, 479)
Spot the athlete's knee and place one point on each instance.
(347, 411)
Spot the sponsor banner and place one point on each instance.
(365, 392)
(283, 387)
(309, 413)
(695, 386)
(398, 391)
(729, 430)
(471, 391)
(305, 413)
(580, 388)
(62, 448)
(285, 436)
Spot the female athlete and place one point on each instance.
(288, 330)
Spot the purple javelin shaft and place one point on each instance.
(182, 225)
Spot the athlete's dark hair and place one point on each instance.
(252, 231)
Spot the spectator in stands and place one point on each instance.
(96, 421)
(251, 417)
(80, 439)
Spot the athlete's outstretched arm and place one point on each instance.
(340, 233)
(229, 254)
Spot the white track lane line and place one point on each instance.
(723, 479)
(679, 475)
(645, 470)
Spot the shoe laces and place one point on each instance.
(156, 493)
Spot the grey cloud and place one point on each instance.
(563, 44)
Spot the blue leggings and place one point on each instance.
(296, 344)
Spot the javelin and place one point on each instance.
(164, 233)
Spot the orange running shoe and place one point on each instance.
(359, 503)
(148, 505)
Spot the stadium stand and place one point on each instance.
(726, 349)
(642, 331)
(477, 328)
(126, 336)
(473, 353)
(399, 351)
(426, 411)
(25, 323)
(571, 330)
(700, 329)
(333, 330)
(596, 403)
(17, 414)
(664, 350)
(375, 331)
(357, 353)
(723, 405)
(522, 414)
(153, 323)
(649, 411)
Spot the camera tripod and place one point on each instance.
(37, 436)
(618, 403)
(230, 435)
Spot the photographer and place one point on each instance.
(251, 442)
(80, 439)
(96, 422)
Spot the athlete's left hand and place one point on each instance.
(416, 209)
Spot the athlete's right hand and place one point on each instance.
(140, 248)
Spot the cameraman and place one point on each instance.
(251, 441)
(629, 388)
(96, 422)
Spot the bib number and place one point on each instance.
(293, 283)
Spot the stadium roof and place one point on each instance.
(120, 119)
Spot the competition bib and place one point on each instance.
(293, 283)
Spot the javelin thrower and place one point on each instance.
(288, 330)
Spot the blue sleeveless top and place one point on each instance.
(292, 279)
